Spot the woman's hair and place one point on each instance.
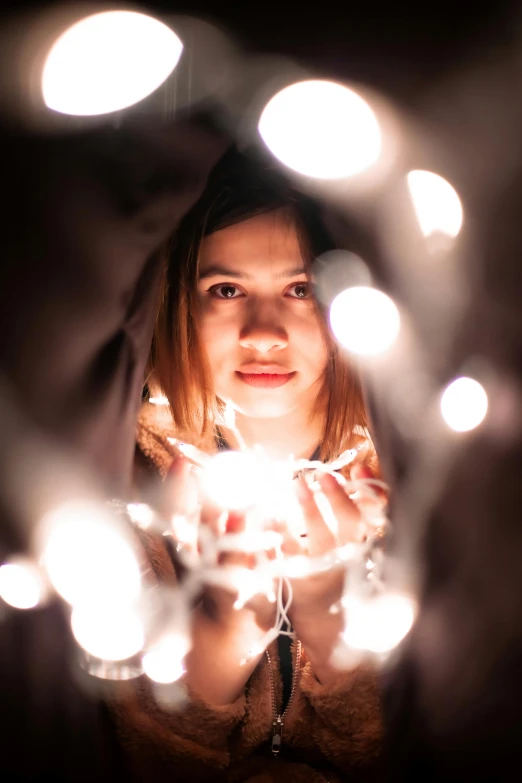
(239, 188)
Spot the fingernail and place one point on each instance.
(327, 481)
(234, 522)
(176, 466)
(361, 472)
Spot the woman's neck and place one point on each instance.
(293, 434)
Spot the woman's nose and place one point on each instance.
(263, 333)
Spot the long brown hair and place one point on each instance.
(239, 188)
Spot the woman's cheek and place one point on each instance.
(218, 341)
(310, 333)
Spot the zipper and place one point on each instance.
(278, 720)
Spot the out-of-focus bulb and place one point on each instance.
(185, 532)
(141, 514)
(464, 404)
(20, 584)
(108, 61)
(230, 480)
(159, 399)
(163, 662)
(436, 203)
(321, 129)
(377, 624)
(87, 557)
(112, 632)
(238, 480)
(364, 320)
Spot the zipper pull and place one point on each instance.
(277, 735)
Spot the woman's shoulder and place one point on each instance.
(153, 456)
(155, 439)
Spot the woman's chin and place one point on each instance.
(263, 408)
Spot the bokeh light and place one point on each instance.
(336, 270)
(158, 399)
(377, 624)
(108, 61)
(141, 514)
(321, 129)
(20, 584)
(231, 480)
(464, 404)
(87, 556)
(108, 631)
(163, 662)
(185, 531)
(364, 320)
(436, 203)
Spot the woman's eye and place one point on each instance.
(299, 291)
(226, 291)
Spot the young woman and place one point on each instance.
(239, 325)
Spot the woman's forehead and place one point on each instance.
(271, 239)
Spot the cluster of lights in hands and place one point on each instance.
(300, 574)
(89, 555)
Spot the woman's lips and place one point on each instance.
(265, 380)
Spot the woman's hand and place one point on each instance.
(222, 602)
(227, 641)
(315, 625)
(196, 522)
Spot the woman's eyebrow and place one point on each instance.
(222, 271)
(294, 272)
(216, 270)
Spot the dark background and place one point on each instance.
(56, 195)
(401, 47)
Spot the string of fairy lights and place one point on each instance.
(87, 551)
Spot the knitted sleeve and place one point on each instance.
(191, 738)
(192, 742)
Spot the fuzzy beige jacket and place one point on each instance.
(330, 734)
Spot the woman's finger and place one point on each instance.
(181, 487)
(182, 507)
(213, 517)
(370, 499)
(344, 509)
(289, 544)
(320, 537)
(364, 473)
(236, 523)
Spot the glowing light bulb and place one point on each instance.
(364, 320)
(239, 480)
(231, 481)
(87, 557)
(141, 514)
(321, 129)
(436, 203)
(111, 631)
(159, 399)
(377, 624)
(20, 584)
(464, 404)
(185, 532)
(163, 662)
(108, 61)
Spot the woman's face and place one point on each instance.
(260, 325)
